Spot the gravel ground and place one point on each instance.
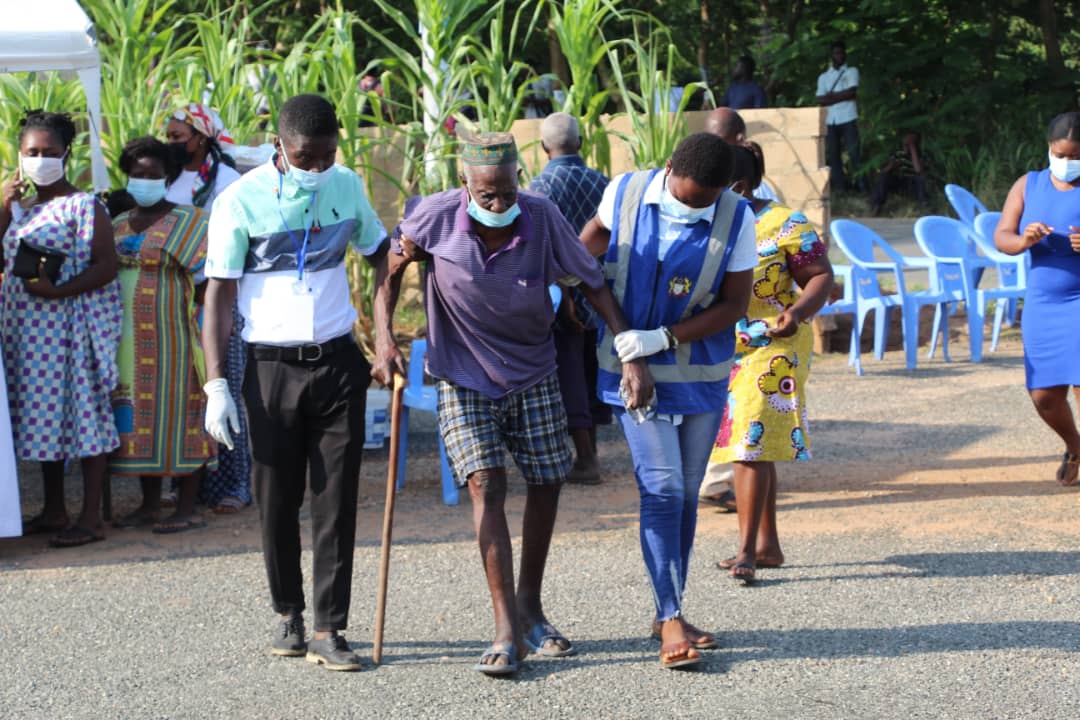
(931, 575)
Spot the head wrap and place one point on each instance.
(488, 149)
(206, 121)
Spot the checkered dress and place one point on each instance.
(60, 355)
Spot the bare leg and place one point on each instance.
(54, 513)
(184, 516)
(585, 470)
(93, 471)
(148, 511)
(768, 541)
(487, 489)
(538, 524)
(1052, 404)
(751, 493)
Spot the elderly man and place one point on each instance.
(492, 252)
(576, 190)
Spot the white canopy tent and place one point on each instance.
(40, 35)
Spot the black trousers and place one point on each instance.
(846, 134)
(307, 424)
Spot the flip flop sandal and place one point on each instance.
(747, 579)
(496, 649)
(730, 563)
(707, 641)
(725, 501)
(36, 525)
(228, 505)
(541, 634)
(75, 536)
(1063, 469)
(135, 520)
(164, 529)
(680, 660)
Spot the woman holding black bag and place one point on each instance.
(60, 319)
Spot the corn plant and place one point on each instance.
(499, 85)
(579, 26)
(655, 131)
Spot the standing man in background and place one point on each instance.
(836, 89)
(576, 190)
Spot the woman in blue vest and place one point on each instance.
(1042, 212)
(678, 250)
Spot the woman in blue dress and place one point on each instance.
(1042, 213)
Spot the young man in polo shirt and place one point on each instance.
(277, 246)
(492, 252)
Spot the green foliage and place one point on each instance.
(32, 91)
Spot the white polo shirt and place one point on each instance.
(839, 79)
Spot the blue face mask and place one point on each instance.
(1064, 169)
(305, 179)
(145, 192)
(490, 219)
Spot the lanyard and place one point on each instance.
(301, 248)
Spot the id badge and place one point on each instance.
(289, 313)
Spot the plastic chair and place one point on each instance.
(858, 242)
(946, 241)
(966, 205)
(418, 396)
(845, 304)
(1011, 269)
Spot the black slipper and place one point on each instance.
(36, 525)
(75, 536)
(166, 527)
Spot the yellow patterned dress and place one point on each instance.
(765, 417)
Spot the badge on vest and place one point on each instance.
(679, 286)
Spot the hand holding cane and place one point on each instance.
(388, 517)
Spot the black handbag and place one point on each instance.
(29, 258)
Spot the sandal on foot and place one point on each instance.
(499, 648)
(725, 501)
(75, 536)
(704, 641)
(137, 519)
(1070, 465)
(761, 563)
(539, 635)
(680, 654)
(36, 525)
(228, 505)
(743, 572)
(170, 527)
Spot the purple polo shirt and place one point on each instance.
(489, 315)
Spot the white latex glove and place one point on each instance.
(220, 412)
(634, 344)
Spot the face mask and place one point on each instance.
(146, 193)
(491, 219)
(42, 171)
(179, 153)
(675, 208)
(305, 179)
(1064, 169)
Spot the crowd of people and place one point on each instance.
(203, 334)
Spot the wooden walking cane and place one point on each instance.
(388, 517)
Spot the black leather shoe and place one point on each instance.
(332, 652)
(289, 638)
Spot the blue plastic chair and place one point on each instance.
(844, 305)
(858, 242)
(966, 205)
(1012, 270)
(418, 396)
(946, 242)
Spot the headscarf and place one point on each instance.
(206, 121)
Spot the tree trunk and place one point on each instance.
(703, 44)
(1054, 60)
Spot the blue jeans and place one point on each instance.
(669, 464)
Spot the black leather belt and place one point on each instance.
(312, 353)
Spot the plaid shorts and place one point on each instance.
(531, 424)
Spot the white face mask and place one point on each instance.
(678, 210)
(305, 179)
(42, 171)
(1064, 169)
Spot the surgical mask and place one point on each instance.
(42, 171)
(490, 219)
(1064, 169)
(145, 192)
(675, 208)
(305, 179)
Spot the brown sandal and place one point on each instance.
(680, 654)
(1070, 465)
(703, 641)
